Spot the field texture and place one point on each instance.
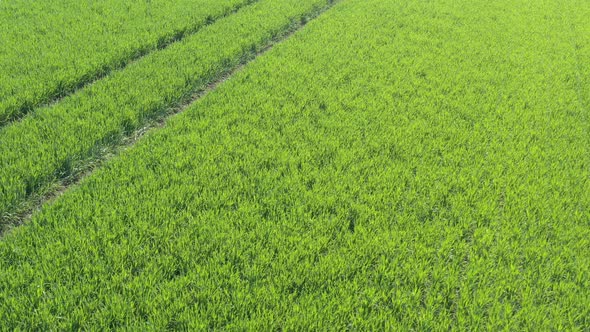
(49, 48)
(58, 140)
(394, 165)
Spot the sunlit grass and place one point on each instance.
(397, 165)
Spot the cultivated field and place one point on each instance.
(334, 165)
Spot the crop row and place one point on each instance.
(59, 139)
(396, 165)
(50, 48)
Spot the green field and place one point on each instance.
(391, 165)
